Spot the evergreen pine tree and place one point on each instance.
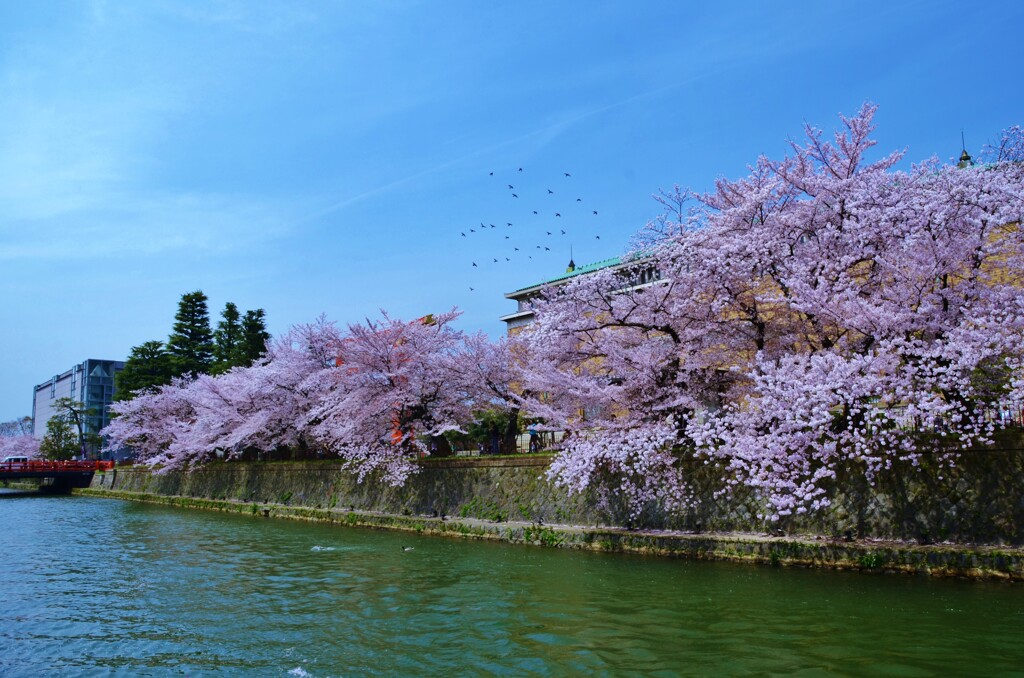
(254, 338)
(227, 338)
(191, 342)
(149, 365)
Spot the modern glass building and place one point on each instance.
(91, 383)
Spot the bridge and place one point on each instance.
(57, 477)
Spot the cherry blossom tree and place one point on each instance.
(391, 391)
(377, 395)
(266, 407)
(485, 374)
(826, 312)
(823, 310)
(16, 439)
(1009, 147)
(263, 407)
(154, 424)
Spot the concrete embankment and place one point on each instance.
(511, 500)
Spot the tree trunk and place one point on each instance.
(511, 432)
(439, 447)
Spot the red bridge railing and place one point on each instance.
(40, 466)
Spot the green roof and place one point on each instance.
(587, 268)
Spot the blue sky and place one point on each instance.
(322, 157)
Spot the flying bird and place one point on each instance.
(534, 211)
(550, 191)
(506, 237)
(474, 265)
(516, 249)
(495, 261)
(579, 199)
(514, 195)
(472, 230)
(463, 235)
(595, 211)
(508, 223)
(492, 174)
(549, 232)
(510, 187)
(520, 169)
(557, 214)
(507, 259)
(563, 231)
(566, 174)
(547, 249)
(598, 237)
(470, 289)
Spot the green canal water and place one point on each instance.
(101, 587)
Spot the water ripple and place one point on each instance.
(103, 587)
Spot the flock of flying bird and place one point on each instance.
(522, 239)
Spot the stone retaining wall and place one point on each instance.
(979, 500)
(978, 562)
(487, 488)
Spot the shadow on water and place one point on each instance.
(16, 492)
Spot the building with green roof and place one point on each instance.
(523, 315)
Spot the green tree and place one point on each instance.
(191, 342)
(254, 338)
(492, 430)
(65, 431)
(60, 442)
(227, 339)
(149, 365)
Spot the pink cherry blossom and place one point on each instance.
(824, 310)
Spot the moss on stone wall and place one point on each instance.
(499, 488)
(976, 500)
(947, 560)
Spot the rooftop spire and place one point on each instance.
(965, 157)
(572, 264)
